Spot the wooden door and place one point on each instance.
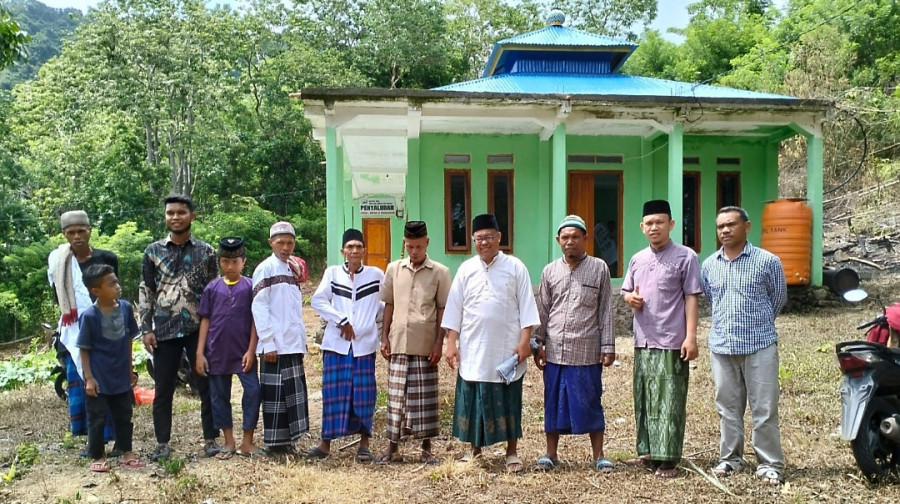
(581, 200)
(377, 233)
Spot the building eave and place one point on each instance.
(419, 96)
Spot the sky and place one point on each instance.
(671, 14)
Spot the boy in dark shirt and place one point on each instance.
(227, 347)
(104, 340)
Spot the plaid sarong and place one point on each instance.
(660, 398)
(348, 394)
(486, 413)
(284, 406)
(77, 406)
(412, 398)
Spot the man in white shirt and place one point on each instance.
(347, 298)
(490, 311)
(278, 315)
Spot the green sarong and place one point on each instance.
(486, 413)
(660, 398)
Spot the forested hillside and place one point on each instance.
(147, 97)
(48, 27)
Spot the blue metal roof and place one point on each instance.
(564, 36)
(605, 84)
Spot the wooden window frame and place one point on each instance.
(721, 175)
(448, 228)
(696, 175)
(492, 174)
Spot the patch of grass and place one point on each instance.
(173, 465)
(27, 454)
(68, 442)
(381, 399)
(619, 455)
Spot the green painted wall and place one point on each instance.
(644, 172)
(531, 238)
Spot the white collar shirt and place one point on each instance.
(489, 305)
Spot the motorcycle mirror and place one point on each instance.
(855, 295)
(47, 326)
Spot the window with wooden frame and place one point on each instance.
(457, 211)
(500, 203)
(728, 193)
(690, 210)
(728, 189)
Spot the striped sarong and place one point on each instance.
(572, 399)
(284, 406)
(412, 398)
(486, 413)
(660, 398)
(77, 406)
(348, 394)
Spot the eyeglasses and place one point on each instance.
(484, 239)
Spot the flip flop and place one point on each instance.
(642, 461)
(513, 464)
(100, 467)
(225, 454)
(133, 464)
(770, 476)
(386, 457)
(364, 456)
(546, 463)
(428, 458)
(604, 465)
(666, 470)
(315, 453)
(257, 453)
(724, 469)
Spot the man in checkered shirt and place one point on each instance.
(745, 287)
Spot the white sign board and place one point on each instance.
(377, 206)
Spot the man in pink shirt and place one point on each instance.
(662, 286)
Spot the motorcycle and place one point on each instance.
(58, 371)
(870, 395)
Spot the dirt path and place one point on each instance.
(820, 466)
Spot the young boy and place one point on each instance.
(104, 340)
(226, 346)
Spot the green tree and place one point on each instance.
(615, 18)
(654, 57)
(474, 26)
(12, 40)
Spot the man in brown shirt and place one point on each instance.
(414, 291)
(575, 341)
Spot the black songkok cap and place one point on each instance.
(485, 221)
(232, 246)
(658, 206)
(352, 234)
(415, 229)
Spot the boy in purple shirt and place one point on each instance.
(104, 341)
(662, 286)
(226, 346)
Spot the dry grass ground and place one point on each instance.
(820, 466)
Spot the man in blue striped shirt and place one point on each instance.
(745, 287)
